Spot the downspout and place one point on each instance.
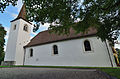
(109, 53)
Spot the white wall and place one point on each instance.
(12, 40)
(23, 39)
(17, 39)
(71, 53)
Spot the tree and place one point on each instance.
(2, 41)
(104, 15)
(5, 3)
(62, 15)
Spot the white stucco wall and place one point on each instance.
(70, 53)
(17, 39)
(23, 39)
(12, 40)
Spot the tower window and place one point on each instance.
(14, 27)
(55, 49)
(31, 52)
(87, 45)
(25, 28)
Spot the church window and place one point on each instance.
(14, 27)
(25, 28)
(55, 49)
(31, 52)
(87, 45)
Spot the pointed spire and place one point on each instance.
(22, 13)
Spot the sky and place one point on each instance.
(11, 13)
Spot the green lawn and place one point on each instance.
(113, 72)
(63, 67)
(59, 67)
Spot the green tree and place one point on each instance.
(104, 15)
(2, 41)
(5, 3)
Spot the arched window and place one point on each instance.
(25, 28)
(31, 52)
(87, 45)
(55, 49)
(14, 27)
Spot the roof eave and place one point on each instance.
(60, 40)
(21, 18)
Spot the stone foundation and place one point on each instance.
(8, 63)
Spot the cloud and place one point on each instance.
(12, 14)
(19, 5)
(41, 28)
(7, 29)
(46, 25)
(117, 46)
(6, 37)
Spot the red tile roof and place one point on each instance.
(46, 37)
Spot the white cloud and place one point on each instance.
(7, 29)
(12, 14)
(117, 46)
(41, 28)
(46, 25)
(6, 37)
(19, 5)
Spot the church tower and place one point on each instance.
(19, 36)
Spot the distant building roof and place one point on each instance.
(45, 37)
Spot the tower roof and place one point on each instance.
(22, 13)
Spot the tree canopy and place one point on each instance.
(5, 3)
(2, 42)
(62, 15)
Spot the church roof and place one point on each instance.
(45, 37)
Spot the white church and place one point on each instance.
(45, 49)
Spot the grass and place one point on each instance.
(113, 72)
(62, 67)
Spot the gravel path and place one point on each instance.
(49, 73)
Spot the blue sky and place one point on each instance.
(11, 13)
